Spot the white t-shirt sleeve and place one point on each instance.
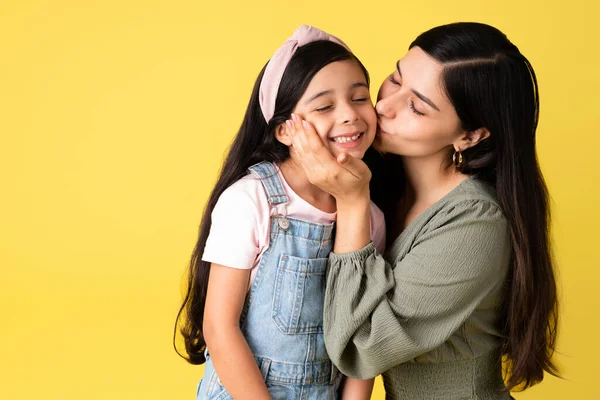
(233, 240)
(377, 228)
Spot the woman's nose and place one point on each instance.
(386, 106)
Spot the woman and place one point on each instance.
(467, 277)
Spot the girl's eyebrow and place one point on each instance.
(320, 94)
(359, 84)
(326, 92)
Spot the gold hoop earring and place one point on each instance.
(457, 160)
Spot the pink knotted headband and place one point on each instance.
(271, 80)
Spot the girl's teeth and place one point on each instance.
(346, 139)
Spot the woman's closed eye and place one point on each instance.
(393, 80)
(411, 104)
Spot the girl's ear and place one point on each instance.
(282, 135)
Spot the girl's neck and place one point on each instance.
(296, 178)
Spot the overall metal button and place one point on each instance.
(283, 223)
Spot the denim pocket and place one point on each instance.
(299, 295)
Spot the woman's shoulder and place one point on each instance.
(470, 193)
(472, 200)
(474, 189)
(469, 215)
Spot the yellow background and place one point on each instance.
(114, 117)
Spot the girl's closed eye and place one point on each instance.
(324, 108)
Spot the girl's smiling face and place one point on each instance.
(338, 104)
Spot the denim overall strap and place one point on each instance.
(282, 318)
(267, 172)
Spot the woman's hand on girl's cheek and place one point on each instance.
(344, 177)
(308, 139)
(308, 148)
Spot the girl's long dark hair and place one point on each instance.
(255, 142)
(492, 85)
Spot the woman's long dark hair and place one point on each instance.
(255, 142)
(492, 85)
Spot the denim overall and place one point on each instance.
(282, 319)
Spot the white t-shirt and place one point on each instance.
(241, 219)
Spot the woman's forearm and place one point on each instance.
(353, 230)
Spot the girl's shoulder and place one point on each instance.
(244, 200)
(248, 188)
(378, 228)
(377, 215)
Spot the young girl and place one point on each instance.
(254, 306)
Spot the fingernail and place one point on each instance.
(294, 117)
(289, 124)
(305, 124)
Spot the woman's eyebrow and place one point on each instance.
(425, 99)
(421, 96)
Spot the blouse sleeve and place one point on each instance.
(379, 315)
